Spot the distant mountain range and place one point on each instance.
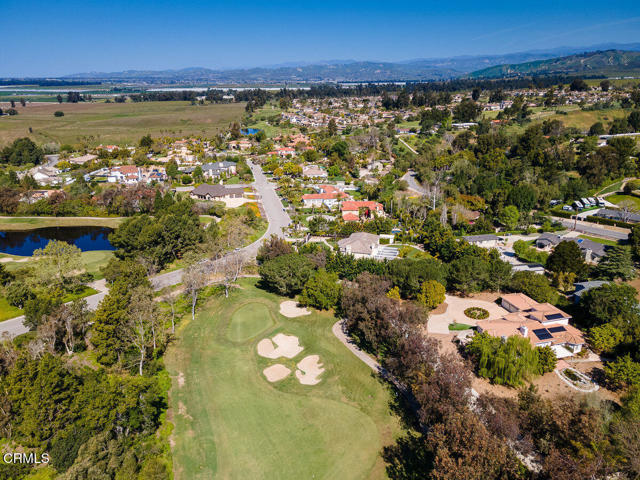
(608, 63)
(371, 71)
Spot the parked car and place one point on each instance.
(553, 203)
(567, 208)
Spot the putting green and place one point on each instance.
(249, 320)
(231, 423)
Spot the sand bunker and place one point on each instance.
(276, 372)
(309, 369)
(290, 309)
(287, 346)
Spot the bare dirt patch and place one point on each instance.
(276, 372)
(181, 380)
(290, 309)
(440, 309)
(287, 346)
(309, 369)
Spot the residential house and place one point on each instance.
(484, 241)
(217, 169)
(46, 175)
(618, 215)
(541, 323)
(360, 245)
(353, 211)
(592, 251)
(583, 287)
(127, 174)
(152, 174)
(328, 196)
(216, 192)
(313, 171)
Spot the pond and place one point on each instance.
(24, 242)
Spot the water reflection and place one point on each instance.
(24, 242)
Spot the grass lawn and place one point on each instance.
(8, 311)
(617, 199)
(614, 187)
(230, 422)
(94, 260)
(455, 327)
(116, 123)
(29, 223)
(603, 241)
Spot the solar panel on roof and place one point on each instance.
(557, 329)
(542, 334)
(554, 316)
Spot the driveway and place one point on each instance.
(455, 313)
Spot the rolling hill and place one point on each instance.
(606, 63)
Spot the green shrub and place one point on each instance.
(476, 313)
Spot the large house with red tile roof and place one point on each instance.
(353, 211)
(328, 196)
(542, 323)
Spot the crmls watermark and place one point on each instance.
(30, 458)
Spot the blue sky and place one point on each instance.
(69, 36)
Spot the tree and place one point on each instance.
(143, 322)
(509, 217)
(597, 129)
(634, 239)
(146, 141)
(172, 169)
(57, 263)
(466, 111)
(567, 258)
(231, 266)
(59, 98)
(605, 85)
(21, 152)
(547, 359)
(617, 263)
(432, 294)
(533, 285)
(322, 290)
(58, 113)
(605, 338)
(623, 372)
(286, 274)
(332, 128)
(612, 303)
(273, 247)
(194, 279)
(475, 94)
(634, 120)
(578, 85)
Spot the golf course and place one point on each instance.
(231, 422)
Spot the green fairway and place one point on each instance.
(230, 422)
(29, 223)
(248, 321)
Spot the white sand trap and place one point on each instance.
(310, 369)
(288, 346)
(276, 372)
(290, 309)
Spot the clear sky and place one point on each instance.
(57, 37)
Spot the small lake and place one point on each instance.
(24, 242)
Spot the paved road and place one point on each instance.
(277, 217)
(410, 178)
(585, 227)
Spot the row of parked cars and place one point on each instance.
(581, 204)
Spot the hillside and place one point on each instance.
(606, 63)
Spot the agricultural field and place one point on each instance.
(115, 123)
(230, 422)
